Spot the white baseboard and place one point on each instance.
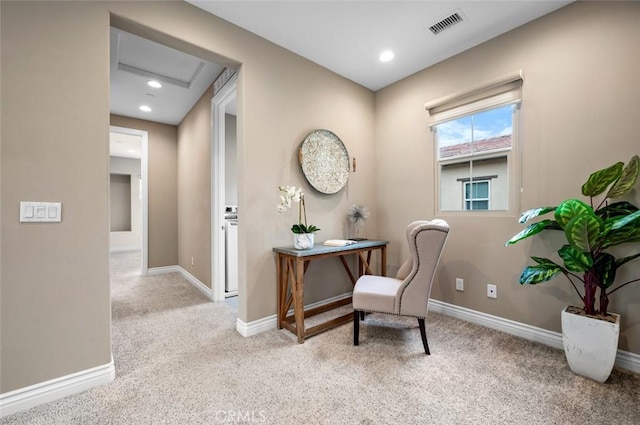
(257, 326)
(628, 360)
(195, 282)
(270, 322)
(624, 359)
(54, 389)
(188, 276)
(532, 333)
(154, 271)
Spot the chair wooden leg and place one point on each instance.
(423, 334)
(356, 327)
(362, 315)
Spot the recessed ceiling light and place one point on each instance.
(386, 56)
(131, 151)
(145, 108)
(155, 84)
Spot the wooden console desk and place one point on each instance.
(291, 265)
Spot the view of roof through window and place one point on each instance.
(477, 133)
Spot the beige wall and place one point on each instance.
(61, 327)
(579, 113)
(55, 308)
(162, 188)
(194, 190)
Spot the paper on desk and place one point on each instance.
(338, 242)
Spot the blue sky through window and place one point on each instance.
(487, 124)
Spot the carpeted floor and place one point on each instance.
(179, 360)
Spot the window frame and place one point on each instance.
(469, 183)
(514, 168)
(501, 90)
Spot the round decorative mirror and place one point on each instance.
(324, 161)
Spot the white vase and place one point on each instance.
(590, 345)
(303, 240)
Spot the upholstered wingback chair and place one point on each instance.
(408, 293)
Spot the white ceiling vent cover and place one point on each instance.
(446, 23)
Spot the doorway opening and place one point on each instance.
(129, 192)
(224, 192)
(132, 56)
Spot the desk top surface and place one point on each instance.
(322, 249)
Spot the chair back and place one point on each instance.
(426, 242)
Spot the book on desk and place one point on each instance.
(338, 242)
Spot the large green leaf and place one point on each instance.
(569, 209)
(631, 219)
(627, 179)
(616, 209)
(616, 237)
(601, 179)
(532, 275)
(621, 261)
(535, 212)
(544, 261)
(531, 230)
(583, 231)
(554, 226)
(605, 268)
(575, 260)
(617, 215)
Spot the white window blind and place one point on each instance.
(500, 91)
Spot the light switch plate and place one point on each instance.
(44, 212)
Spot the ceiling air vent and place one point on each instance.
(446, 23)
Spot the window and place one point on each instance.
(469, 149)
(474, 141)
(476, 195)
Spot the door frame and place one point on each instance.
(144, 171)
(219, 102)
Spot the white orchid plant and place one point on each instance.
(288, 195)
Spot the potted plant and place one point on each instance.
(357, 215)
(590, 231)
(303, 233)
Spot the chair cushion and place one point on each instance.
(405, 269)
(376, 293)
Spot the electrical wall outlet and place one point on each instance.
(492, 291)
(459, 284)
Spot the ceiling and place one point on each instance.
(348, 36)
(343, 36)
(135, 61)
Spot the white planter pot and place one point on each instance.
(590, 345)
(303, 240)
